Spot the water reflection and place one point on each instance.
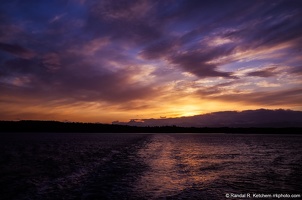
(161, 178)
(184, 164)
(176, 165)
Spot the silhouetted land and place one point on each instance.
(55, 126)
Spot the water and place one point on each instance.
(147, 166)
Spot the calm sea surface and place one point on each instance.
(148, 166)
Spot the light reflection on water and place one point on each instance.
(162, 178)
(216, 164)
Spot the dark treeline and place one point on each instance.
(55, 126)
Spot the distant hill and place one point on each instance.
(248, 118)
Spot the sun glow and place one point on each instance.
(189, 110)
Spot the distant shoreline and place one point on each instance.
(55, 126)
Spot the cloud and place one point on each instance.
(72, 83)
(297, 70)
(268, 32)
(17, 50)
(288, 97)
(160, 49)
(20, 66)
(122, 9)
(267, 84)
(51, 61)
(56, 18)
(196, 63)
(145, 54)
(91, 47)
(128, 21)
(8, 29)
(268, 72)
(195, 60)
(204, 57)
(217, 90)
(246, 118)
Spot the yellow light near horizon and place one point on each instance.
(170, 106)
(189, 110)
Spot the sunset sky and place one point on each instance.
(108, 60)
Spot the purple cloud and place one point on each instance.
(269, 72)
(120, 52)
(246, 118)
(17, 50)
